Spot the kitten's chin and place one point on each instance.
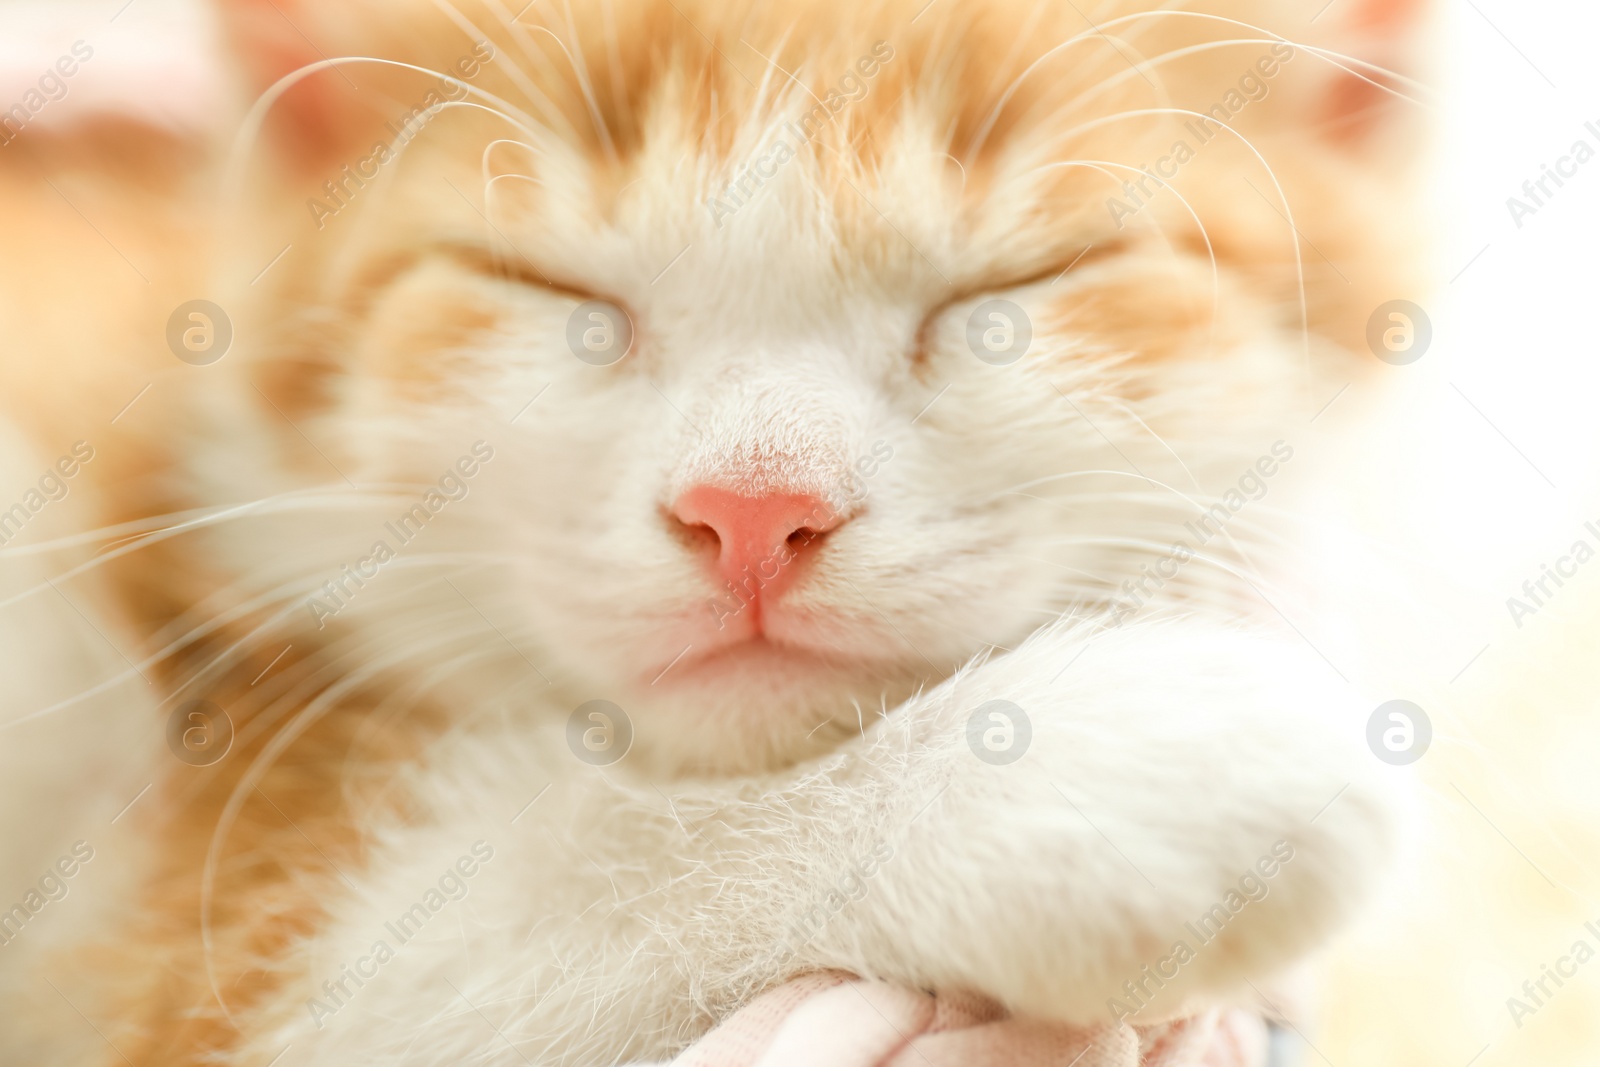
(757, 704)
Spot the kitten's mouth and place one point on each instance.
(757, 654)
(744, 650)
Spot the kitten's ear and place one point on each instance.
(1387, 15)
(330, 110)
(1386, 33)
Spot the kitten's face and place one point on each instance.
(815, 364)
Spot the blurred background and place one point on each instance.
(1484, 470)
(1498, 424)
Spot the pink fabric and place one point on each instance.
(834, 1020)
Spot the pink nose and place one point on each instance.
(760, 538)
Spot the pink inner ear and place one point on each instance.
(1381, 32)
(325, 114)
(156, 66)
(1393, 16)
(269, 37)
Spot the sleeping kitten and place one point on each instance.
(639, 500)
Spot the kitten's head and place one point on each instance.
(819, 347)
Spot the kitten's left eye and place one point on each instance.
(995, 322)
(993, 325)
(599, 332)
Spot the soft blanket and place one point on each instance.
(835, 1020)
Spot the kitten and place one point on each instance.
(662, 497)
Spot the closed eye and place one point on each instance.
(600, 331)
(512, 268)
(997, 284)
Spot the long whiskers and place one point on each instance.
(347, 682)
(1334, 59)
(1326, 55)
(1288, 211)
(535, 96)
(1205, 235)
(580, 71)
(137, 534)
(255, 119)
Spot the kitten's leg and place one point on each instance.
(1171, 769)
